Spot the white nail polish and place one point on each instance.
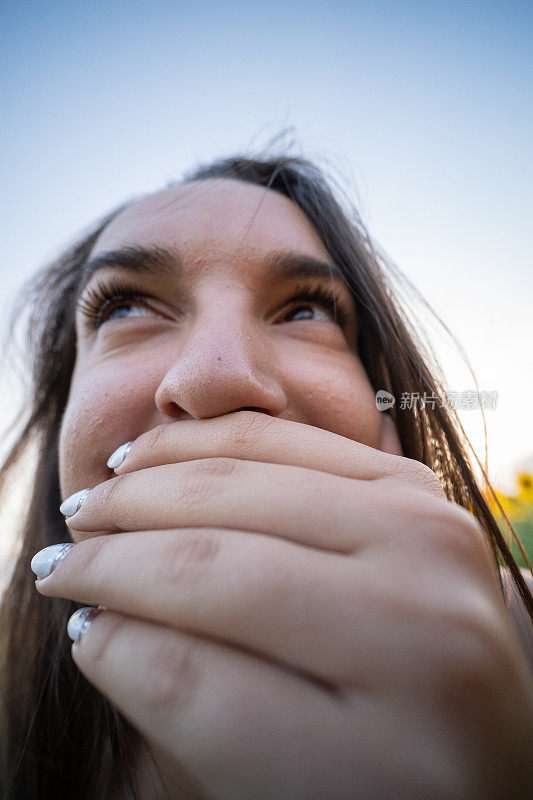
(44, 562)
(73, 503)
(80, 621)
(116, 458)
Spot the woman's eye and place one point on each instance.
(123, 310)
(104, 303)
(107, 302)
(309, 309)
(321, 301)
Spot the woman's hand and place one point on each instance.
(292, 614)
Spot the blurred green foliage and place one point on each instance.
(518, 508)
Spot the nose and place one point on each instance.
(221, 366)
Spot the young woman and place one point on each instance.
(286, 593)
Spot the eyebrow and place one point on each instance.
(286, 265)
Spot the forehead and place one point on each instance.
(213, 217)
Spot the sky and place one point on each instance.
(423, 108)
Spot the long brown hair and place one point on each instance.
(61, 738)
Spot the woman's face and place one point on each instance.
(209, 326)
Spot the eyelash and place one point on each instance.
(322, 296)
(104, 295)
(97, 299)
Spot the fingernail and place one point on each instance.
(45, 561)
(80, 621)
(116, 458)
(73, 503)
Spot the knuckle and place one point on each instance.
(197, 485)
(248, 428)
(219, 465)
(173, 676)
(111, 493)
(468, 527)
(155, 438)
(423, 476)
(476, 655)
(461, 532)
(449, 529)
(462, 542)
(414, 508)
(88, 555)
(188, 554)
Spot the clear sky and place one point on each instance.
(425, 108)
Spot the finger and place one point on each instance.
(253, 436)
(299, 504)
(267, 595)
(299, 606)
(220, 712)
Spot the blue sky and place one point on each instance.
(424, 108)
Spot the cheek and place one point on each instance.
(338, 396)
(105, 409)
